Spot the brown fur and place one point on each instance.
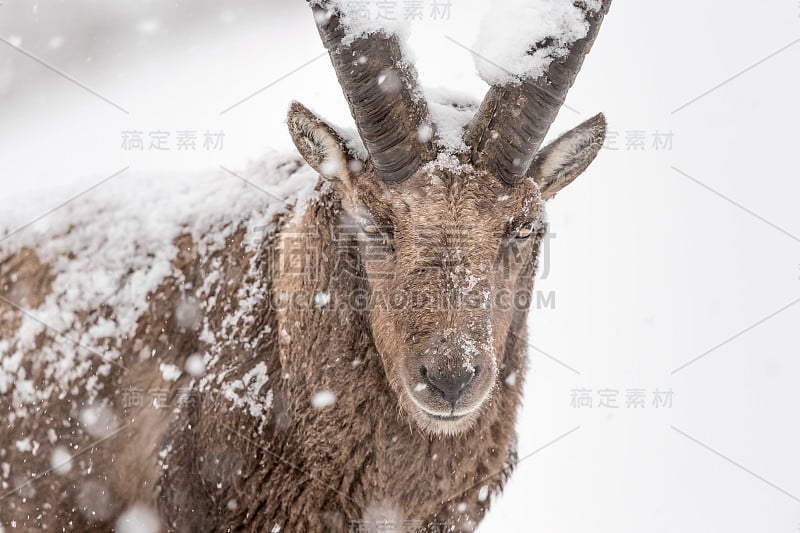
(310, 470)
(456, 240)
(363, 457)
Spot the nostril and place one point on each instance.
(423, 371)
(476, 370)
(450, 386)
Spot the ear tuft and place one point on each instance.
(318, 143)
(563, 160)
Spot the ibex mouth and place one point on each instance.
(445, 425)
(446, 418)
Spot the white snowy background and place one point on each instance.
(660, 255)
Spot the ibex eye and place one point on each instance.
(524, 232)
(369, 227)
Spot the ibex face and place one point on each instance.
(459, 251)
(448, 241)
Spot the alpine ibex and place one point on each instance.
(361, 366)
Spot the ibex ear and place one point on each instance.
(563, 160)
(320, 145)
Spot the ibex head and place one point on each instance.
(448, 241)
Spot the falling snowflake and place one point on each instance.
(61, 460)
(99, 420)
(511, 379)
(138, 519)
(323, 399)
(424, 133)
(195, 366)
(322, 298)
(188, 314)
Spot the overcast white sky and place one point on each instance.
(662, 253)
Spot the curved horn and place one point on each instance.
(382, 92)
(513, 119)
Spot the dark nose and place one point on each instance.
(450, 384)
